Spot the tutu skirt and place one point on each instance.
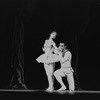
(44, 58)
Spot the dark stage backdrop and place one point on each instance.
(24, 26)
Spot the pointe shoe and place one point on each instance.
(62, 89)
(49, 89)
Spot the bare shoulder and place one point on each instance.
(53, 42)
(68, 53)
(46, 40)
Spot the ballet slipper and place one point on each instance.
(62, 88)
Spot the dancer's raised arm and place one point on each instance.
(56, 51)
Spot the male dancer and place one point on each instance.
(66, 69)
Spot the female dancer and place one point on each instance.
(49, 58)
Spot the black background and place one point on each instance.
(69, 18)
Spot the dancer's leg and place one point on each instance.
(52, 73)
(58, 75)
(49, 68)
(71, 81)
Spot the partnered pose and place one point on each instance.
(49, 58)
(66, 69)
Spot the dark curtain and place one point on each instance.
(17, 60)
(25, 10)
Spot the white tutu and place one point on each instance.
(44, 58)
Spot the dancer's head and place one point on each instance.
(53, 35)
(62, 46)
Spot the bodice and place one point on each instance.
(48, 46)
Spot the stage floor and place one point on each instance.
(10, 94)
(31, 90)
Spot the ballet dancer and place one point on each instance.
(49, 58)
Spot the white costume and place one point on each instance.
(65, 70)
(49, 59)
(49, 56)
